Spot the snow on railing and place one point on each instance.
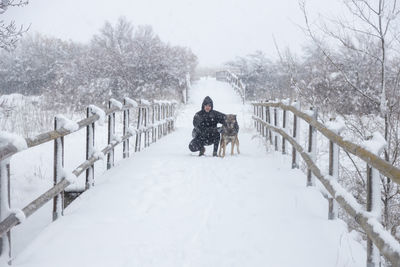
(369, 151)
(155, 119)
(234, 81)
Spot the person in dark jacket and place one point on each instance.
(205, 130)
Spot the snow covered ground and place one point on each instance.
(165, 206)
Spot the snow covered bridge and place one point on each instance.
(166, 206)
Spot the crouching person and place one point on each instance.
(205, 130)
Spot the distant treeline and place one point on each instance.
(121, 60)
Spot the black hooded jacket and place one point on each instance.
(205, 123)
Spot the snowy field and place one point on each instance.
(166, 206)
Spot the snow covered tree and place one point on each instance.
(137, 63)
(9, 32)
(121, 60)
(263, 78)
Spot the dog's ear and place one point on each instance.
(234, 116)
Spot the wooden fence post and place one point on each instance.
(139, 124)
(164, 119)
(262, 118)
(296, 133)
(167, 117)
(333, 165)
(153, 120)
(5, 205)
(259, 126)
(255, 114)
(334, 173)
(111, 133)
(147, 124)
(90, 131)
(266, 120)
(125, 148)
(172, 116)
(145, 113)
(373, 206)
(58, 165)
(284, 128)
(312, 138)
(160, 125)
(269, 121)
(258, 115)
(159, 120)
(276, 117)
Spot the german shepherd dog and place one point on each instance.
(229, 134)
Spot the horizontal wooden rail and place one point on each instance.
(380, 164)
(373, 228)
(8, 223)
(52, 135)
(234, 81)
(7, 151)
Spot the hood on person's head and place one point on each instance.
(207, 101)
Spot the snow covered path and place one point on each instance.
(166, 206)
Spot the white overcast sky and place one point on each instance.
(215, 30)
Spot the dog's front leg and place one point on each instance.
(237, 145)
(220, 147)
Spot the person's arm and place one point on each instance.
(196, 120)
(220, 117)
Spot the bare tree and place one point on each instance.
(9, 32)
(372, 23)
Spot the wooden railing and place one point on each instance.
(234, 81)
(275, 130)
(154, 120)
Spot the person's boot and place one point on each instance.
(202, 150)
(215, 150)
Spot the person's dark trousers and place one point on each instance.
(216, 143)
(197, 143)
